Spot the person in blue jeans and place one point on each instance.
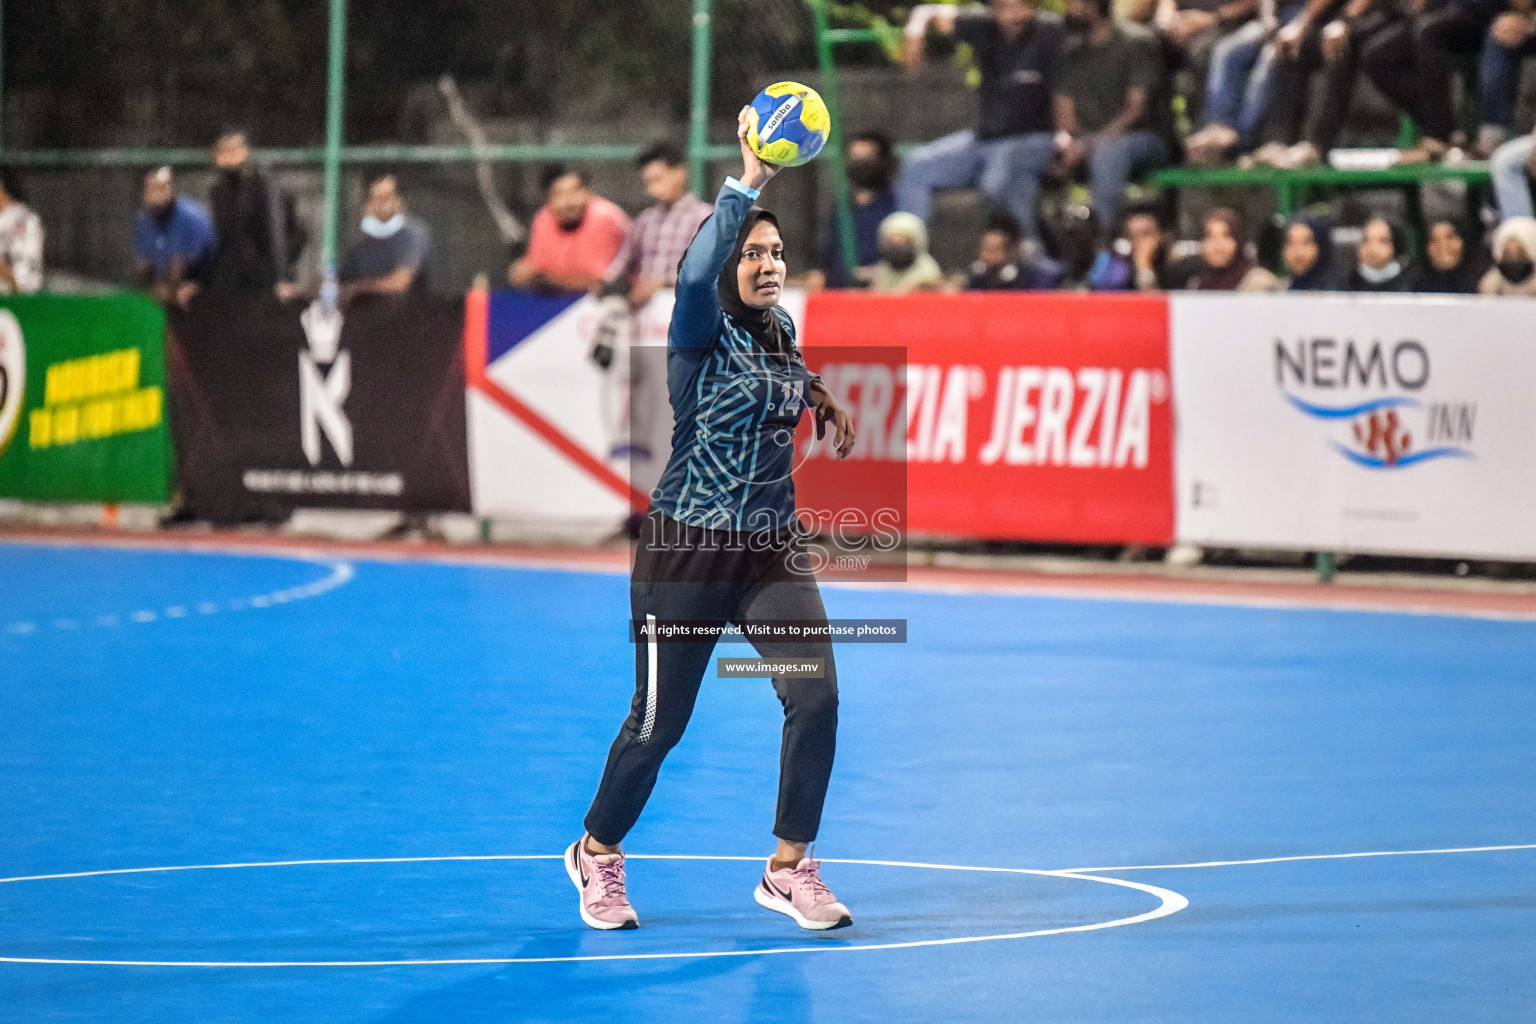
(1511, 39)
(1112, 110)
(1237, 89)
(1017, 49)
(1513, 167)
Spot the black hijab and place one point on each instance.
(1322, 276)
(762, 324)
(1458, 280)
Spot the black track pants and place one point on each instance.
(687, 573)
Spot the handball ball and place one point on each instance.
(787, 124)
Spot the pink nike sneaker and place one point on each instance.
(600, 880)
(798, 892)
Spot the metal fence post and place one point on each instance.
(698, 114)
(334, 105)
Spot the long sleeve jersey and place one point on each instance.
(735, 405)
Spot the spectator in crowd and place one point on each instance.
(656, 240)
(871, 163)
(1138, 257)
(1112, 111)
(1018, 50)
(21, 241)
(1224, 263)
(1511, 39)
(248, 222)
(1381, 263)
(1514, 254)
(905, 265)
(1193, 29)
(1308, 255)
(173, 243)
(1440, 32)
(394, 255)
(1368, 35)
(1000, 266)
(1238, 86)
(1513, 168)
(1453, 268)
(574, 239)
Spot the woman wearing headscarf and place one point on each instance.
(719, 545)
(1453, 268)
(1308, 255)
(1514, 256)
(1224, 264)
(1381, 263)
(905, 265)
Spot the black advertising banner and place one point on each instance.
(279, 406)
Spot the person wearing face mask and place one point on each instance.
(1514, 254)
(905, 265)
(1453, 267)
(999, 267)
(1308, 255)
(253, 250)
(173, 241)
(395, 253)
(871, 162)
(1381, 263)
(574, 239)
(719, 545)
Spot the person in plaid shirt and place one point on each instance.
(658, 237)
(21, 242)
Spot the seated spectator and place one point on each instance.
(1514, 255)
(1308, 255)
(905, 265)
(1368, 35)
(1193, 29)
(656, 240)
(1511, 39)
(871, 163)
(1224, 264)
(1441, 32)
(574, 239)
(172, 241)
(1513, 167)
(248, 222)
(1238, 86)
(1112, 108)
(1138, 257)
(1453, 268)
(1018, 50)
(21, 241)
(999, 266)
(395, 253)
(1381, 263)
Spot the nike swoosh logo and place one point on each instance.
(581, 869)
(781, 893)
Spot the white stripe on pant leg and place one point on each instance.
(650, 679)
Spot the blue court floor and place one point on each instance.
(426, 738)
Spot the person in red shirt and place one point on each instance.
(574, 238)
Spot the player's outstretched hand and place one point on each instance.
(755, 173)
(829, 410)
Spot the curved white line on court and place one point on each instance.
(1307, 856)
(1169, 902)
(341, 574)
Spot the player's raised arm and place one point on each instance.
(696, 315)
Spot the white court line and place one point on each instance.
(1308, 856)
(341, 573)
(1169, 902)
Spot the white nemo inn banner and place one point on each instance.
(1356, 423)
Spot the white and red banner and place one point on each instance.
(1402, 424)
(1020, 417)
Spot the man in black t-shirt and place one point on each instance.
(1017, 49)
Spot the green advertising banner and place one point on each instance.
(82, 399)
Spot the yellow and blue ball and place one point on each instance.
(787, 124)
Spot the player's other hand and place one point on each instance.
(755, 173)
(829, 410)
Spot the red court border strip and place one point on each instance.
(1406, 599)
(476, 350)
